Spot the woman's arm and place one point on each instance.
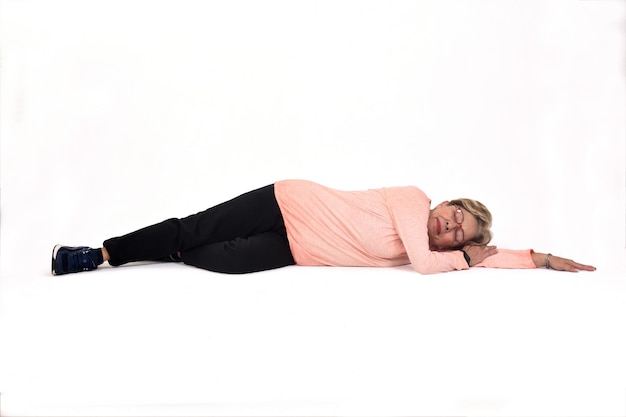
(490, 257)
(560, 264)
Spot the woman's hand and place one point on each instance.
(560, 264)
(479, 253)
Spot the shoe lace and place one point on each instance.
(83, 261)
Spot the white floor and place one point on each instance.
(117, 114)
(171, 340)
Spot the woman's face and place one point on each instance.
(448, 228)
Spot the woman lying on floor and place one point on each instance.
(298, 222)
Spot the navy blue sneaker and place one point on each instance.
(67, 259)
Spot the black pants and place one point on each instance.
(245, 234)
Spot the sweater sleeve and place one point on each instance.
(409, 209)
(511, 259)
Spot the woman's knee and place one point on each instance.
(242, 255)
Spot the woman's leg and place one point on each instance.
(259, 252)
(251, 214)
(105, 255)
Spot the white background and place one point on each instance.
(118, 114)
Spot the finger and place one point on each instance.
(492, 250)
(580, 266)
(584, 267)
(489, 252)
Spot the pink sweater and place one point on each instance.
(382, 227)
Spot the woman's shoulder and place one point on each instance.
(406, 192)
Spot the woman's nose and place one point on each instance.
(451, 226)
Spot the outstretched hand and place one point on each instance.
(561, 264)
(479, 253)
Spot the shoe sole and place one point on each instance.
(54, 258)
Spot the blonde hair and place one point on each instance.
(482, 214)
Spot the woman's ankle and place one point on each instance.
(105, 254)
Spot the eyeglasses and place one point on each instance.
(458, 218)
